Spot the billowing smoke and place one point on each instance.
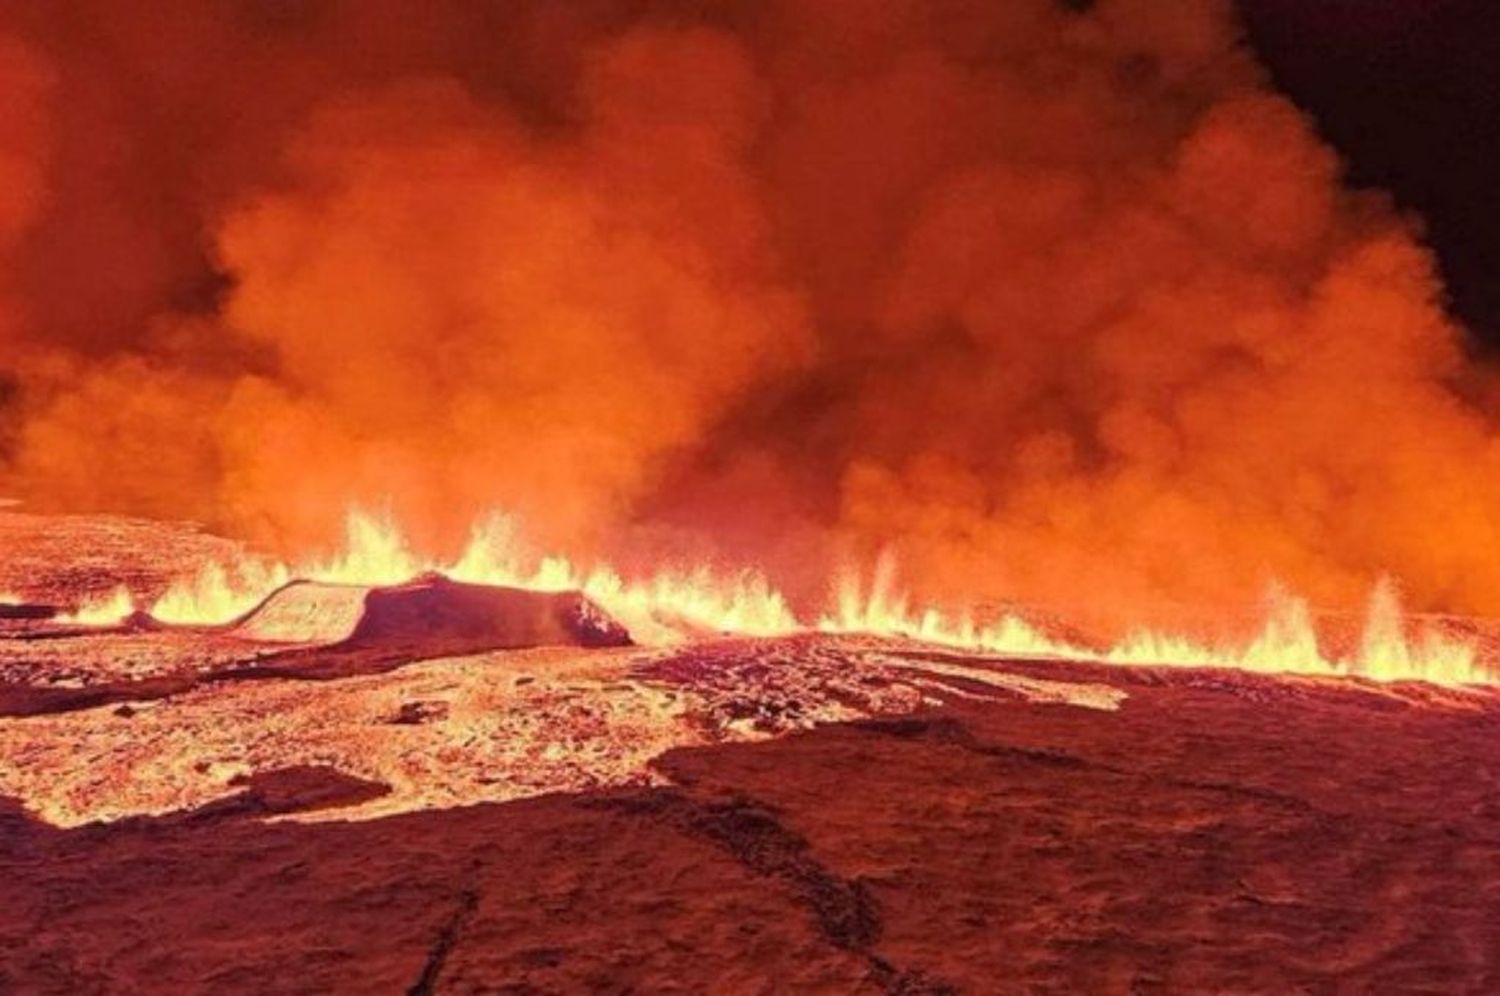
(1058, 303)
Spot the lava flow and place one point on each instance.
(670, 607)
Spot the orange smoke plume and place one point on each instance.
(1059, 304)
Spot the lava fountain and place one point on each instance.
(673, 606)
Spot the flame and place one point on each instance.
(742, 603)
(105, 610)
(661, 608)
(1288, 642)
(212, 595)
(673, 605)
(884, 609)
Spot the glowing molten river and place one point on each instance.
(672, 606)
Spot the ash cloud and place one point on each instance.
(1059, 303)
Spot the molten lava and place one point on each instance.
(104, 610)
(671, 606)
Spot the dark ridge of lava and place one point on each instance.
(489, 617)
(429, 612)
(28, 611)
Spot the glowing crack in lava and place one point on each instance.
(669, 607)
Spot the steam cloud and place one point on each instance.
(1060, 303)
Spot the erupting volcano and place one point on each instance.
(908, 496)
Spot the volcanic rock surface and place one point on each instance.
(807, 815)
(197, 812)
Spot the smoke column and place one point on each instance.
(1057, 303)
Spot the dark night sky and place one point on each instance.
(1409, 92)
